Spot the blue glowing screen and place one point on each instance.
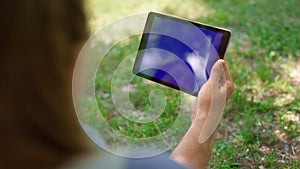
(179, 54)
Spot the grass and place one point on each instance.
(261, 125)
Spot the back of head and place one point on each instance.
(39, 44)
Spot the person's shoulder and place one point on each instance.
(105, 161)
(155, 162)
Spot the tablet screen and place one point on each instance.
(179, 53)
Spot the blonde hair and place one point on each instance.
(38, 49)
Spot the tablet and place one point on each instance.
(179, 53)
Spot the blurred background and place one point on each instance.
(261, 124)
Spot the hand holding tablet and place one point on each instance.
(179, 53)
(182, 55)
(195, 147)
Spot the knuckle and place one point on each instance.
(230, 87)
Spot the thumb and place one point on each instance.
(218, 100)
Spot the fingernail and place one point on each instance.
(223, 62)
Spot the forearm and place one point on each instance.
(189, 151)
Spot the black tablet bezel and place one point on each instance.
(221, 50)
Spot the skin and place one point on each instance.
(37, 119)
(189, 151)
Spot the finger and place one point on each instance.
(218, 79)
(194, 109)
(229, 83)
(227, 74)
(217, 73)
(218, 100)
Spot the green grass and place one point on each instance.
(138, 97)
(261, 122)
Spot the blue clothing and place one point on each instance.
(105, 160)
